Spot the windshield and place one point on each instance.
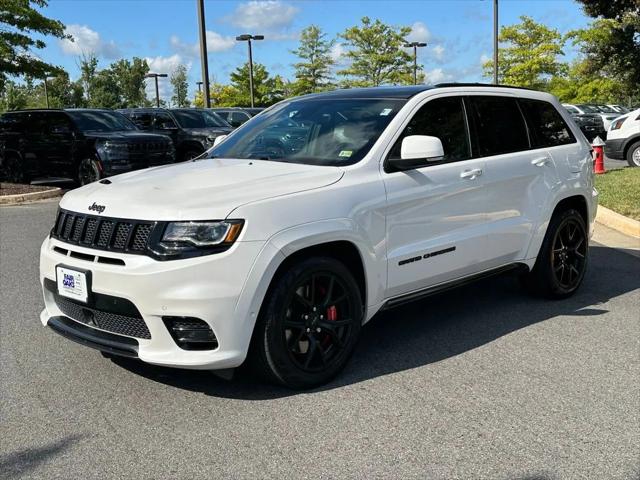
(198, 119)
(607, 109)
(100, 121)
(589, 109)
(315, 131)
(571, 109)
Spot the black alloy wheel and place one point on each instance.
(569, 257)
(563, 258)
(14, 170)
(309, 324)
(88, 171)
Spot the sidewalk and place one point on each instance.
(612, 238)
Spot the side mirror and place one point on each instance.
(417, 151)
(218, 140)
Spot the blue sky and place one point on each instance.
(166, 31)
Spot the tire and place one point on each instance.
(633, 155)
(190, 155)
(88, 171)
(303, 339)
(563, 257)
(14, 170)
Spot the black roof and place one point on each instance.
(157, 109)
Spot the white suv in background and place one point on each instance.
(623, 139)
(313, 216)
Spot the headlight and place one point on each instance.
(618, 123)
(110, 150)
(211, 139)
(191, 239)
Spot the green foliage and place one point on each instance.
(529, 54)
(580, 86)
(313, 72)
(375, 54)
(129, 77)
(19, 20)
(180, 87)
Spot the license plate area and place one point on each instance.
(73, 283)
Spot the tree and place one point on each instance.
(375, 54)
(105, 90)
(262, 87)
(19, 20)
(313, 72)
(180, 87)
(88, 65)
(529, 54)
(611, 45)
(129, 76)
(580, 86)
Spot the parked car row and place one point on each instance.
(594, 119)
(623, 140)
(86, 145)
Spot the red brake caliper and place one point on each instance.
(332, 316)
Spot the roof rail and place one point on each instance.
(478, 84)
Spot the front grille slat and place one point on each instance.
(102, 233)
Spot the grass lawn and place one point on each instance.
(620, 191)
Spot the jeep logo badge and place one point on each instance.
(97, 208)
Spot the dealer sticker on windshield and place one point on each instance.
(72, 284)
(386, 112)
(345, 153)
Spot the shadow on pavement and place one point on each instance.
(19, 463)
(434, 329)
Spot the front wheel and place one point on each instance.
(88, 171)
(191, 154)
(562, 261)
(309, 324)
(14, 170)
(633, 155)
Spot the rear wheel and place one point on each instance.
(14, 170)
(562, 261)
(88, 171)
(633, 155)
(309, 324)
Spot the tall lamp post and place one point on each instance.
(247, 38)
(415, 46)
(204, 61)
(155, 76)
(495, 42)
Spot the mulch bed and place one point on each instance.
(18, 189)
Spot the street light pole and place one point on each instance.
(155, 77)
(247, 38)
(495, 42)
(415, 46)
(203, 53)
(46, 92)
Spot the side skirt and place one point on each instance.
(443, 287)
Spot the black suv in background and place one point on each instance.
(81, 144)
(193, 130)
(236, 116)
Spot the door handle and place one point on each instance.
(471, 174)
(540, 162)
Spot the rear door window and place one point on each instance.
(546, 125)
(499, 126)
(164, 120)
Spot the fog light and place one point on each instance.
(191, 333)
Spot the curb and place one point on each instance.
(618, 222)
(30, 197)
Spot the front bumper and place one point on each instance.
(211, 288)
(614, 148)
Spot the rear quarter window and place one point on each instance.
(546, 125)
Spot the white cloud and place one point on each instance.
(337, 53)
(484, 58)
(419, 33)
(438, 52)
(86, 41)
(163, 65)
(437, 75)
(266, 15)
(215, 43)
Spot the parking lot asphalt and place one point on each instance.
(481, 382)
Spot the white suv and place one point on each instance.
(623, 139)
(313, 216)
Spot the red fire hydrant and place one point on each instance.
(598, 155)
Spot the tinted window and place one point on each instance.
(164, 120)
(238, 118)
(546, 125)
(12, 122)
(572, 110)
(142, 120)
(499, 126)
(100, 121)
(442, 118)
(199, 119)
(59, 123)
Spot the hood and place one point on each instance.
(203, 132)
(202, 190)
(127, 136)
